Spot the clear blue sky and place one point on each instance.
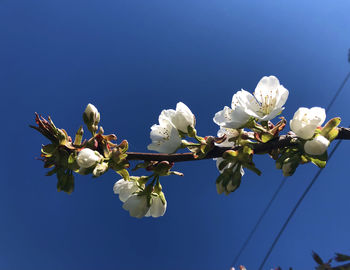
(132, 59)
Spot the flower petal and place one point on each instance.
(183, 117)
(165, 138)
(136, 205)
(305, 121)
(229, 118)
(157, 208)
(266, 86)
(317, 146)
(125, 189)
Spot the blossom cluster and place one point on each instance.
(255, 112)
(246, 123)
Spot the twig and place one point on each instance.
(280, 142)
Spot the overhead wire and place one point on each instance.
(306, 191)
(280, 186)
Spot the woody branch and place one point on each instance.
(281, 141)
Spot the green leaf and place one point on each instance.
(252, 168)
(319, 161)
(332, 134)
(71, 158)
(265, 137)
(303, 159)
(330, 126)
(124, 173)
(65, 181)
(52, 172)
(334, 122)
(278, 164)
(192, 132)
(72, 162)
(79, 136)
(141, 165)
(248, 150)
(223, 164)
(48, 149)
(230, 155)
(62, 136)
(62, 158)
(236, 180)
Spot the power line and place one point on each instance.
(338, 92)
(267, 208)
(295, 208)
(259, 221)
(310, 185)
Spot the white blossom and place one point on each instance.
(137, 205)
(266, 103)
(158, 207)
(271, 97)
(230, 133)
(317, 146)
(165, 137)
(88, 158)
(125, 189)
(231, 118)
(182, 117)
(305, 121)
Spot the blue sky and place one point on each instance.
(132, 59)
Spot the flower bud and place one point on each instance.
(317, 146)
(220, 187)
(278, 165)
(305, 121)
(91, 117)
(287, 169)
(88, 158)
(230, 179)
(100, 169)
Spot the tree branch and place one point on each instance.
(280, 142)
(341, 267)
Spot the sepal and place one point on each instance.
(330, 130)
(79, 136)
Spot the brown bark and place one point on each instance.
(281, 141)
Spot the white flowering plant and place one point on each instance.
(245, 129)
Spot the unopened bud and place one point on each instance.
(91, 118)
(317, 146)
(88, 158)
(287, 169)
(100, 169)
